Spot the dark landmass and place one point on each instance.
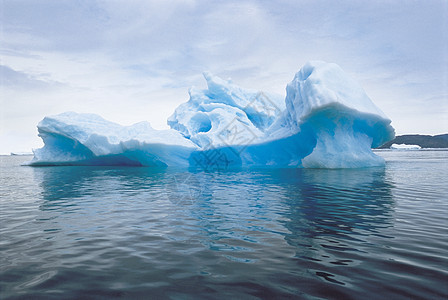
(424, 141)
(21, 153)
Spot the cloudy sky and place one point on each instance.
(131, 61)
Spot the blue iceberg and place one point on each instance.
(326, 121)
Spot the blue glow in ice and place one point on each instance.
(326, 121)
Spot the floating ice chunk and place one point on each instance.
(405, 147)
(21, 153)
(326, 121)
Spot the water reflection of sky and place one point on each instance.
(299, 205)
(291, 231)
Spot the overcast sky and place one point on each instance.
(130, 61)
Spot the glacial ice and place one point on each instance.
(405, 147)
(210, 115)
(325, 121)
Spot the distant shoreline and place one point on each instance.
(21, 153)
(424, 141)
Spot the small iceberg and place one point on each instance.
(21, 153)
(325, 121)
(405, 147)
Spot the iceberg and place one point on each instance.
(325, 121)
(405, 147)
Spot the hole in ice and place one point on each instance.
(201, 122)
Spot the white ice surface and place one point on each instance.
(212, 116)
(404, 147)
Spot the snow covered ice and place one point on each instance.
(325, 121)
(405, 147)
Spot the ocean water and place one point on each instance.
(143, 233)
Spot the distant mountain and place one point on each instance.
(442, 136)
(424, 141)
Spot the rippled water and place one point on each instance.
(99, 232)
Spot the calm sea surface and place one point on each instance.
(105, 233)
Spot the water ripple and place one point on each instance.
(95, 232)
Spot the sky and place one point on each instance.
(132, 61)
